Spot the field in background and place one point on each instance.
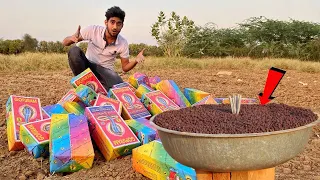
(47, 76)
(52, 62)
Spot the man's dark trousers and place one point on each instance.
(78, 62)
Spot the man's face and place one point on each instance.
(114, 26)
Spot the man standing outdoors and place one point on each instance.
(104, 45)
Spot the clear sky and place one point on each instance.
(53, 20)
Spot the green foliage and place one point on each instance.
(11, 46)
(172, 34)
(30, 44)
(149, 50)
(256, 37)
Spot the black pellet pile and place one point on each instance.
(218, 119)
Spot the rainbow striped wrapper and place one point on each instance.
(86, 94)
(70, 143)
(194, 95)
(20, 110)
(73, 107)
(153, 161)
(207, 100)
(111, 134)
(54, 109)
(138, 78)
(143, 132)
(35, 137)
(146, 122)
(142, 89)
(172, 91)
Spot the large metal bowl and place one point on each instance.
(234, 152)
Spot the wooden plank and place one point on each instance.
(264, 174)
(204, 175)
(221, 176)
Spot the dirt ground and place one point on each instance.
(296, 88)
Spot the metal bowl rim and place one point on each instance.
(232, 135)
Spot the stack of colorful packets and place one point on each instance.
(70, 143)
(35, 137)
(20, 110)
(109, 131)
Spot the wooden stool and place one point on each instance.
(264, 174)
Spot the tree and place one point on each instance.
(15, 46)
(30, 44)
(173, 33)
(43, 46)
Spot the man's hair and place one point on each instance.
(115, 11)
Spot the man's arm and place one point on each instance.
(76, 37)
(127, 65)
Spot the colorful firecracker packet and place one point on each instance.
(122, 85)
(142, 89)
(146, 122)
(20, 110)
(172, 91)
(74, 107)
(139, 78)
(72, 103)
(70, 143)
(194, 95)
(54, 109)
(154, 81)
(109, 131)
(154, 162)
(156, 102)
(87, 95)
(132, 107)
(103, 100)
(35, 137)
(88, 78)
(70, 96)
(207, 100)
(143, 132)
